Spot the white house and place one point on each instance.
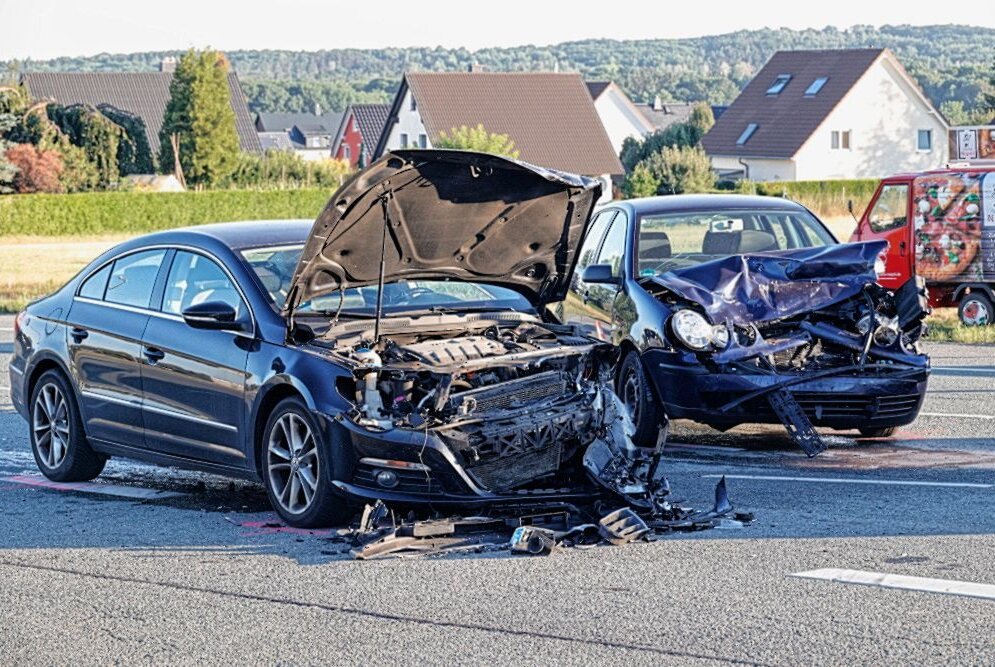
(621, 118)
(834, 114)
(550, 116)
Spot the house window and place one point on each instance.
(779, 83)
(414, 105)
(747, 133)
(925, 142)
(840, 140)
(816, 86)
(404, 139)
(422, 141)
(346, 152)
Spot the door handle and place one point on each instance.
(78, 334)
(153, 354)
(901, 249)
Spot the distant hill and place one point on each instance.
(949, 62)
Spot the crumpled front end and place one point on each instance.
(804, 338)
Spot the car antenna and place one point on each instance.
(384, 199)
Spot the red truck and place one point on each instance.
(939, 225)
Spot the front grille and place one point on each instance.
(511, 471)
(841, 409)
(515, 393)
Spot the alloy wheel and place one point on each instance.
(632, 393)
(50, 425)
(292, 463)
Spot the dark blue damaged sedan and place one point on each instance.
(398, 348)
(731, 309)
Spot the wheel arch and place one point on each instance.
(963, 289)
(40, 367)
(268, 398)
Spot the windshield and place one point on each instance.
(677, 240)
(275, 268)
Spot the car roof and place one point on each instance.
(243, 234)
(711, 202)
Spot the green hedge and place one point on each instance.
(138, 212)
(823, 197)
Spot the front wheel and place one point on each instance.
(975, 310)
(297, 469)
(634, 390)
(57, 438)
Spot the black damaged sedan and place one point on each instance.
(398, 348)
(733, 309)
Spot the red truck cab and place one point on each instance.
(939, 225)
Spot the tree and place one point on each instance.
(672, 170)
(37, 170)
(701, 119)
(97, 135)
(476, 139)
(200, 116)
(954, 112)
(8, 119)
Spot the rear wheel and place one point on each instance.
(57, 438)
(297, 471)
(976, 310)
(878, 432)
(634, 390)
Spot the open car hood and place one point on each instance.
(450, 215)
(765, 286)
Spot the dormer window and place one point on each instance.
(747, 133)
(779, 84)
(816, 86)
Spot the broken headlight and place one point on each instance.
(695, 332)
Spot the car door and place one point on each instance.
(888, 220)
(574, 309)
(601, 297)
(108, 318)
(193, 380)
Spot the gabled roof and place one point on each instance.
(278, 141)
(370, 120)
(144, 94)
(664, 114)
(787, 119)
(550, 116)
(306, 123)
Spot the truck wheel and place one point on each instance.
(878, 432)
(634, 390)
(975, 310)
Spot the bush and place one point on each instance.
(139, 212)
(672, 170)
(826, 198)
(285, 169)
(37, 170)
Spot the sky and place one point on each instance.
(42, 29)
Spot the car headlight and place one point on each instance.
(692, 329)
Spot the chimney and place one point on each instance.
(657, 104)
(317, 109)
(167, 64)
(475, 67)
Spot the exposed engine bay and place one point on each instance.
(518, 400)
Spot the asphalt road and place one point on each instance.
(203, 577)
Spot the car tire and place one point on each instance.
(878, 432)
(58, 440)
(296, 464)
(634, 389)
(976, 310)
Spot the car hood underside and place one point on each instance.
(449, 215)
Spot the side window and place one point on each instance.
(94, 286)
(891, 208)
(593, 239)
(133, 277)
(613, 250)
(195, 279)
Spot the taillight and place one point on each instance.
(19, 322)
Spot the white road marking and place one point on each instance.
(903, 582)
(6, 328)
(838, 480)
(955, 415)
(90, 487)
(961, 369)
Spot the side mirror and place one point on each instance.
(596, 274)
(211, 315)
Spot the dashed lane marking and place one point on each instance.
(902, 582)
(843, 480)
(90, 487)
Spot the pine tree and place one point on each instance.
(200, 115)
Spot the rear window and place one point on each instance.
(133, 277)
